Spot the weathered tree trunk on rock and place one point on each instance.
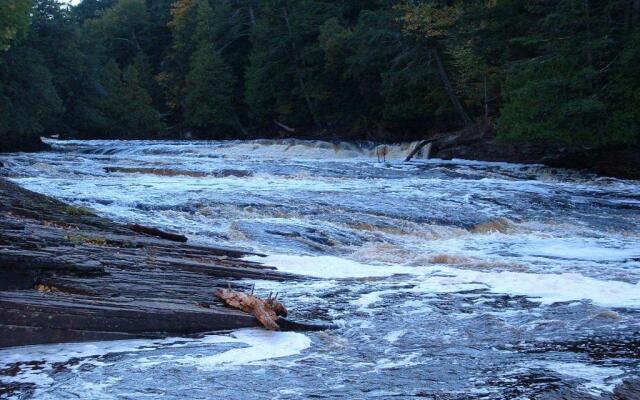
(266, 311)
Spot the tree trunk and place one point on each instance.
(449, 88)
(298, 73)
(252, 15)
(283, 126)
(587, 14)
(416, 149)
(486, 101)
(239, 125)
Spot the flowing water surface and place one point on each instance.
(447, 279)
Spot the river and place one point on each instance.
(447, 279)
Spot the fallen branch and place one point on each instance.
(469, 135)
(266, 311)
(417, 148)
(283, 126)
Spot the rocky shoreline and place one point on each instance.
(481, 144)
(69, 275)
(613, 162)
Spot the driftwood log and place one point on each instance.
(266, 311)
(468, 135)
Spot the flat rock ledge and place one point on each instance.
(68, 275)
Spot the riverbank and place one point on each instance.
(67, 275)
(26, 143)
(610, 162)
(481, 144)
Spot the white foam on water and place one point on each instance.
(45, 356)
(265, 148)
(99, 390)
(261, 345)
(58, 353)
(365, 301)
(393, 336)
(544, 288)
(552, 288)
(328, 267)
(588, 249)
(401, 362)
(598, 379)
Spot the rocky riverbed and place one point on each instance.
(447, 279)
(69, 275)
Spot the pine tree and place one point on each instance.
(623, 95)
(286, 62)
(209, 88)
(554, 92)
(29, 102)
(562, 71)
(14, 20)
(141, 117)
(209, 91)
(127, 104)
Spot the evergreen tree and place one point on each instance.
(286, 62)
(29, 102)
(555, 93)
(127, 104)
(121, 29)
(177, 63)
(209, 91)
(14, 20)
(561, 72)
(89, 9)
(140, 117)
(623, 94)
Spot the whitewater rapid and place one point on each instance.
(446, 278)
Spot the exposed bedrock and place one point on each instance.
(480, 143)
(67, 274)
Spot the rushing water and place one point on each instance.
(448, 279)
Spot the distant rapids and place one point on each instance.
(263, 148)
(448, 279)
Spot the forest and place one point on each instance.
(562, 72)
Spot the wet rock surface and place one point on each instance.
(69, 275)
(482, 145)
(445, 279)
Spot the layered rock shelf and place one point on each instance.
(67, 274)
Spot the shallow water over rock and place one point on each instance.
(448, 279)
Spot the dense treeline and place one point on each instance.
(555, 71)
